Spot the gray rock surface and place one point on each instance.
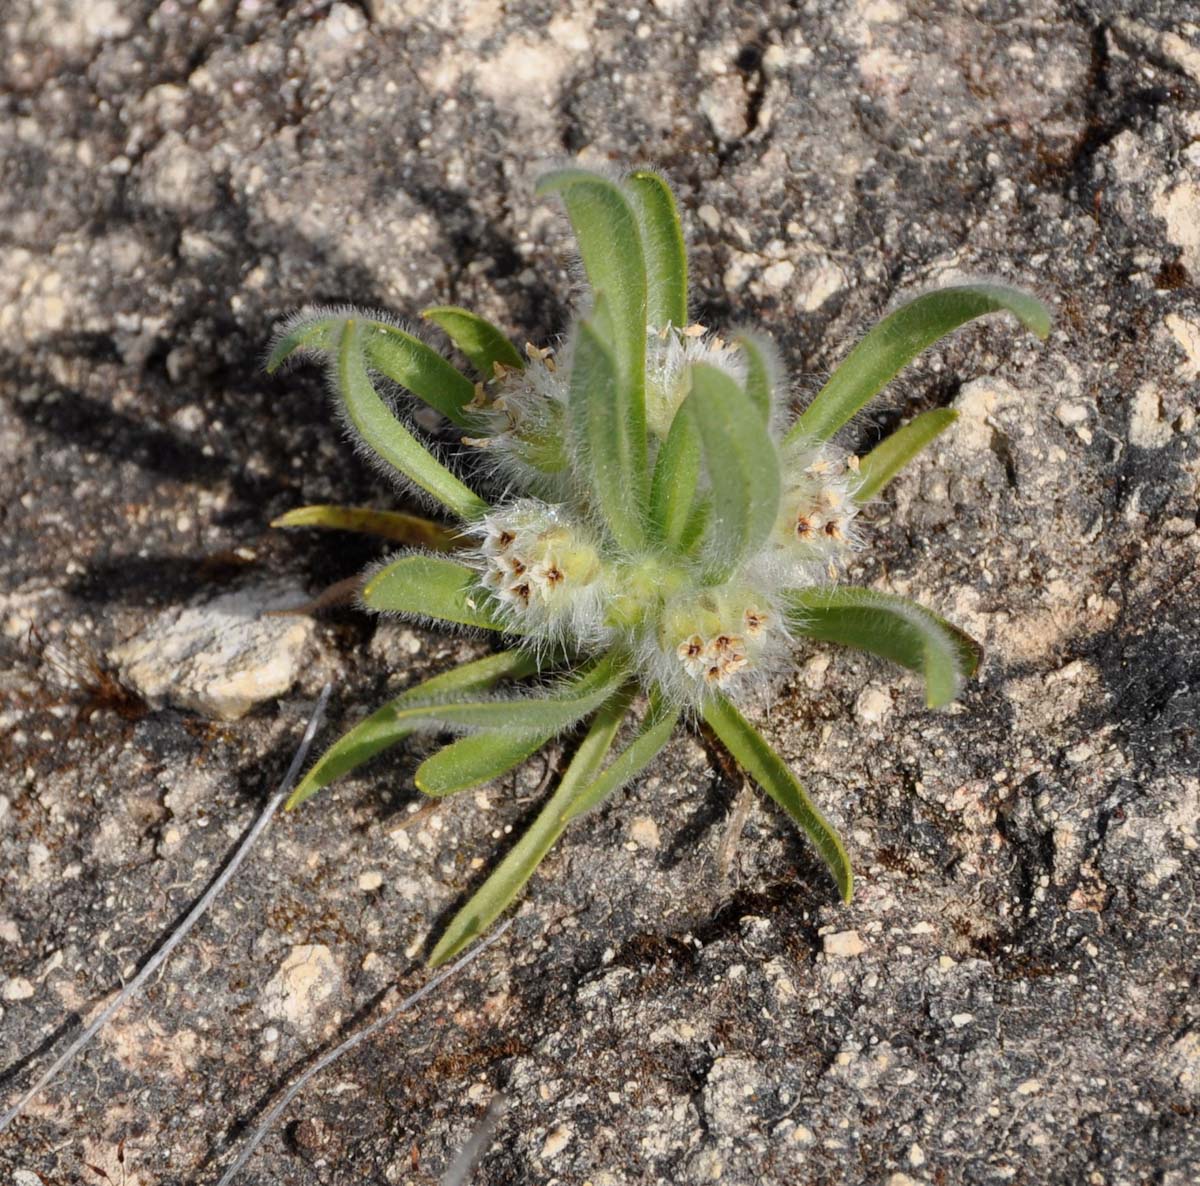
(1012, 996)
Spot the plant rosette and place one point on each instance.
(641, 518)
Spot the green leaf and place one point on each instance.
(423, 371)
(610, 435)
(653, 735)
(481, 757)
(676, 475)
(510, 876)
(894, 452)
(398, 526)
(899, 338)
(475, 759)
(611, 246)
(387, 436)
(398, 355)
(695, 527)
(759, 378)
(435, 588)
(479, 340)
(383, 729)
(891, 627)
(527, 716)
(311, 332)
(751, 751)
(742, 464)
(663, 246)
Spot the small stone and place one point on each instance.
(778, 276)
(819, 284)
(843, 944)
(220, 657)
(916, 1156)
(1147, 427)
(1069, 415)
(643, 831)
(307, 978)
(556, 1142)
(18, 989)
(724, 103)
(1029, 1087)
(962, 1019)
(370, 881)
(26, 1178)
(873, 704)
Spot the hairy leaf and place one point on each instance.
(751, 751)
(899, 338)
(894, 452)
(611, 246)
(759, 381)
(423, 371)
(388, 437)
(891, 627)
(383, 729)
(676, 474)
(396, 354)
(475, 759)
(653, 735)
(398, 526)
(609, 434)
(434, 587)
(482, 342)
(480, 757)
(312, 332)
(529, 716)
(742, 464)
(663, 247)
(510, 876)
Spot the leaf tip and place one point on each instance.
(846, 888)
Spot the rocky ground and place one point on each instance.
(1012, 996)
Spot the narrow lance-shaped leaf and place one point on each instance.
(398, 355)
(676, 474)
(611, 247)
(480, 757)
(473, 760)
(695, 527)
(609, 435)
(893, 628)
(759, 381)
(311, 332)
(482, 342)
(383, 729)
(434, 587)
(423, 371)
(743, 467)
(663, 248)
(398, 526)
(388, 437)
(896, 450)
(510, 876)
(899, 338)
(751, 751)
(547, 713)
(653, 735)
